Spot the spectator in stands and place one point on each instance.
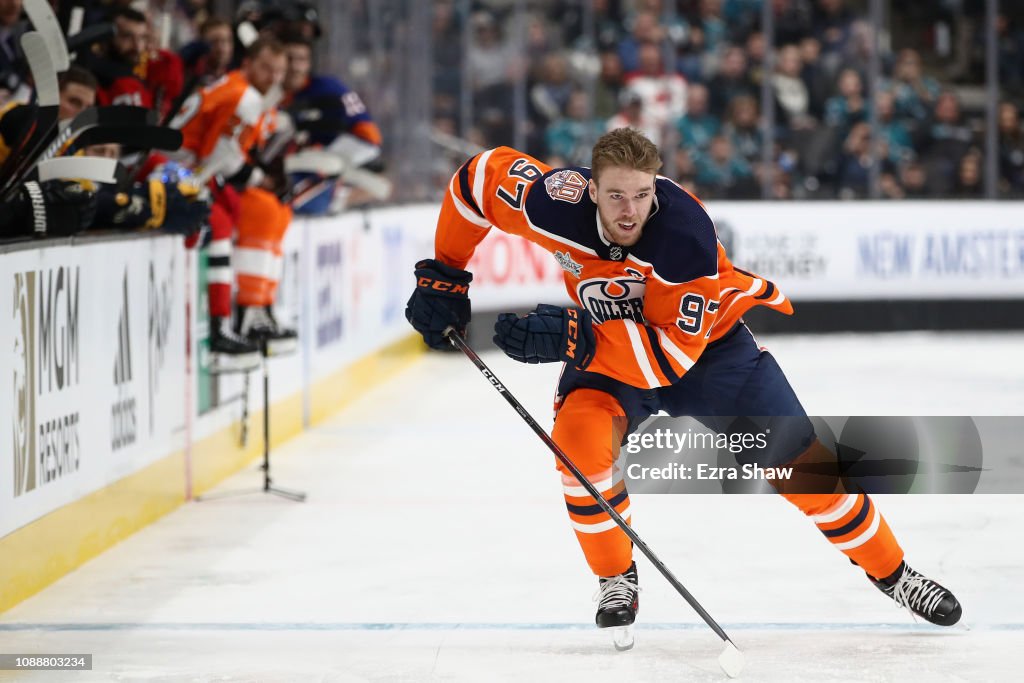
(631, 115)
(493, 66)
(913, 178)
(891, 130)
(663, 92)
(1011, 150)
(742, 128)
(792, 99)
(447, 50)
(817, 81)
(1010, 40)
(756, 48)
(697, 127)
(948, 139)
(855, 162)
(849, 107)
(610, 82)
(550, 95)
(722, 172)
(794, 21)
(968, 178)
(572, 137)
(645, 31)
(712, 25)
(915, 92)
(832, 25)
(731, 81)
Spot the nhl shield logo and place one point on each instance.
(616, 253)
(565, 260)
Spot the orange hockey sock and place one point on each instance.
(852, 523)
(589, 427)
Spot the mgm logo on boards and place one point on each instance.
(46, 365)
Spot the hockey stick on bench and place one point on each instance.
(731, 660)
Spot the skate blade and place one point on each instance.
(623, 638)
(282, 347)
(223, 363)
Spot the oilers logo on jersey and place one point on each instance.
(618, 299)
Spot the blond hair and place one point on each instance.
(625, 147)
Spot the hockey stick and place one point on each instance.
(41, 15)
(731, 660)
(96, 169)
(332, 163)
(119, 115)
(40, 62)
(135, 136)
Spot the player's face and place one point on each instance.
(300, 63)
(221, 44)
(624, 197)
(74, 97)
(266, 70)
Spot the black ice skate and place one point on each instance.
(920, 595)
(258, 325)
(618, 599)
(231, 352)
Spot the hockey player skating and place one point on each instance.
(657, 327)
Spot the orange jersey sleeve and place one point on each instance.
(488, 190)
(228, 108)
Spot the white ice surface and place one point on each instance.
(434, 546)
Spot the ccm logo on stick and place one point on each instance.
(493, 380)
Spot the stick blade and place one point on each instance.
(45, 21)
(40, 63)
(731, 660)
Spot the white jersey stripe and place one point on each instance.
(640, 353)
(673, 350)
(480, 178)
(464, 210)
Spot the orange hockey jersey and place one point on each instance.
(221, 122)
(655, 305)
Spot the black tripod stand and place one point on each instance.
(268, 486)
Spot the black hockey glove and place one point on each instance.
(547, 334)
(175, 207)
(55, 208)
(440, 300)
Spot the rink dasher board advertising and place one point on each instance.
(836, 251)
(92, 372)
(356, 278)
(814, 251)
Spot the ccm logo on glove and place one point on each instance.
(443, 286)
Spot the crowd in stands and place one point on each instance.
(690, 73)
